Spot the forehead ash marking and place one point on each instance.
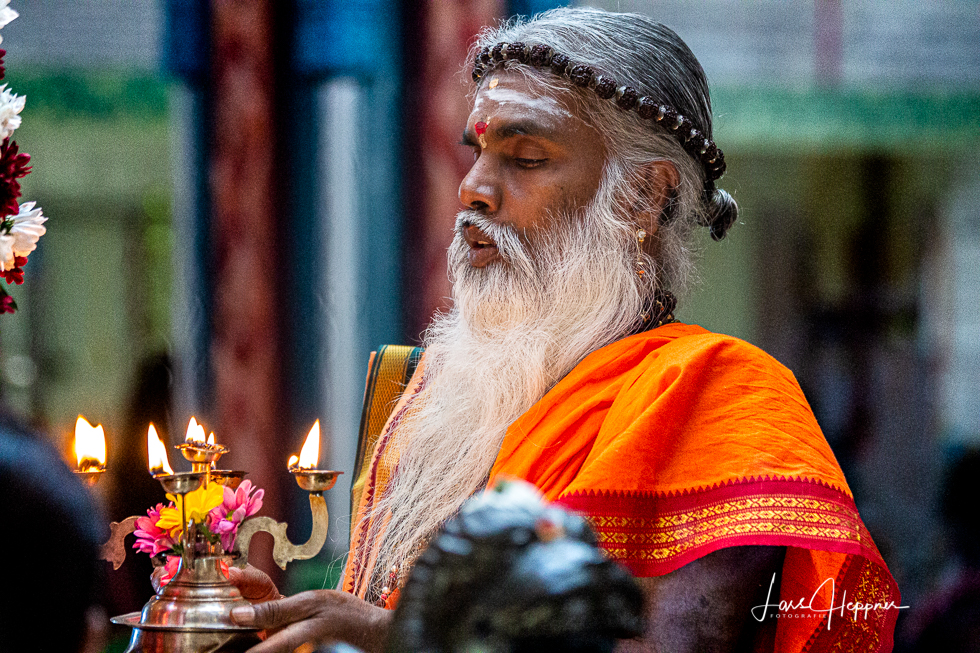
(504, 96)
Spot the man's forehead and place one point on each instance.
(511, 105)
(519, 97)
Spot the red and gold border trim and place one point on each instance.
(654, 534)
(868, 583)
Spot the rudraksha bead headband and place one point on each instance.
(626, 97)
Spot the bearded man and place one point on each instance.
(694, 455)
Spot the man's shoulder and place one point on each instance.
(680, 345)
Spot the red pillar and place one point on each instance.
(246, 347)
(440, 96)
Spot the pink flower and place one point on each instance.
(170, 570)
(238, 505)
(150, 538)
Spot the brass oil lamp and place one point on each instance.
(192, 613)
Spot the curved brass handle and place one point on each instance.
(285, 551)
(114, 550)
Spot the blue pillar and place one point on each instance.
(347, 216)
(186, 59)
(531, 7)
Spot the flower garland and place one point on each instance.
(20, 225)
(218, 509)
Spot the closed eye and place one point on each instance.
(530, 163)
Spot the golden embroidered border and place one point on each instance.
(668, 535)
(868, 583)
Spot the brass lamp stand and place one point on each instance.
(192, 613)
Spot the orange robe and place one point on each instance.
(677, 442)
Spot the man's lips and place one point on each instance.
(483, 249)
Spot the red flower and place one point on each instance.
(13, 166)
(7, 304)
(13, 275)
(3, 71)
(16, 273)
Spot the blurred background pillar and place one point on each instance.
(247, 40)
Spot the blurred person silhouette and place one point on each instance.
(949, 619)
(52, 533)
(134, 489)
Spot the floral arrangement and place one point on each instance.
(217, 509)
(20, 225)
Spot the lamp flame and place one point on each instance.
(211, 439)
(89, 446)
(309, 456)
(156, 454)
(293, 461)
(195, 432)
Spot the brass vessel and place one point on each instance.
(191, 614)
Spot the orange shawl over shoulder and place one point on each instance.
(677, 442)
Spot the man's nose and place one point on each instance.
(480, 188)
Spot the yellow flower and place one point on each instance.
(199, 503)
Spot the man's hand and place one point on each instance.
(254, 584)
(316, 617)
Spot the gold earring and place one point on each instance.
(641, 236)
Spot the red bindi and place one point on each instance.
(481, 132)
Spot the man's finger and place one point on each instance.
(253, 584)
(287, 640)
(276, 614)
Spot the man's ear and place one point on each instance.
(658, 184)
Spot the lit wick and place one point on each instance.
(309, 455)
(89, 451)
(159, 465)
(156, 454)
(200, 451)
(304, 468)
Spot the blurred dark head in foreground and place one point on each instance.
(948, 619)
(511, 573)
(959, 507)
(49, 550)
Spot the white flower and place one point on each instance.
(6, 252)
(6, 14)
(28, 228)
(10, 106)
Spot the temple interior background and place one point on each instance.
(246, 198)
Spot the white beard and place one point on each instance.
(517, 327)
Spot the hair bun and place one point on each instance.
(722, 212)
